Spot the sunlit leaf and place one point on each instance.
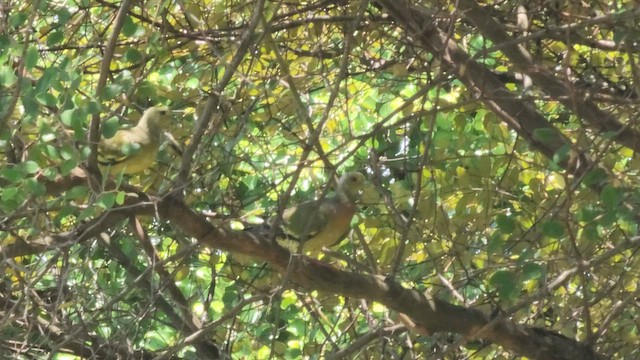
(7, 76)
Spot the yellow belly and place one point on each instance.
(136, 163)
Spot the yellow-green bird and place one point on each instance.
(134, 150)
(324, 222)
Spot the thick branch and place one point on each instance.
(520, 116)
(564, 92)
(432, 314)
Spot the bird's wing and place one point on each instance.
(306, 219)
(122, 145)
(337, 223)
(319, 223)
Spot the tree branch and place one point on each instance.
(550, 83)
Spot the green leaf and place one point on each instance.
(132, 55)
(120, 197)
(130, 149)
(54, 37)
(67, 117)
(532, 271)
(111, 91)
(94, 107)
(495, 244)
(31, 58)
(131, 29)
(506, 283)
(12, 174)
(30, 167)
(128, 26)
(45, 81)
(611, 196)
(29, 103)
(63, 14)
(109, 127)
(67, 152)
(192, 83)
(250, 181)
(587, 214)
(591, 233)
(46, 99)
(594, 177)
(8, 206)
(553, 229)
(75, 119)
(562, 154)
(34, 188)
(67, 166)
(106, 200)
(293, 353)
(156, 340)
(7, 76)
(9, 193)
(49, 173)
(545, 135)
(386, 109)
(505, 223)
(77, 192)
(17, 19)
(370, 103)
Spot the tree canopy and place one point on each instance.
(498, 138)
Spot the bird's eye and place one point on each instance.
(163, 112)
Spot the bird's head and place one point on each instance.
(155, 120)
(351, 184)
(156, 116)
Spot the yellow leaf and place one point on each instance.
(555, 181)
